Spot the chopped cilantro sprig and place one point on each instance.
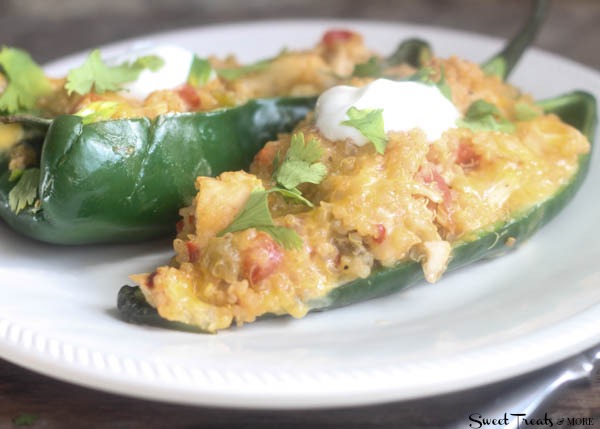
(300, 165)
(26, 81)
(485, 116)
(426, 74)
(237, 72)
(255, 214)
(525, 111)
(100, 77)
(25, 192)
(200, 71)
(369, 122)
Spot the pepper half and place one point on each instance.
(124, 180)
(578, 109)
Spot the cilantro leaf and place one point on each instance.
(150, 62)
(369, 122)
(255, 214)
(97, 75)
(372, 68)
(481, 108)
(237, 72)
(26, 81)
(25, 192)
(287, 237)
(296, 171)
(292, 194)
(425, 75)
(443, 86)
(309, 152)
(15, 174)
(300, 164)
(485, 116)
(525, 111)
(200, 71)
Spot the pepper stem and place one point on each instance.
(503, 62)
(34, 121)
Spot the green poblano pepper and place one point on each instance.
(125, 180)
(578, 109)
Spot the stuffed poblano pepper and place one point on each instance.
(387, 182)
(110, 152)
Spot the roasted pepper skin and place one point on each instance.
(124, 180)
(578, 109)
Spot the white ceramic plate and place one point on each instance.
(487, 322)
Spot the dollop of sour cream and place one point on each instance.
(406, 105)
(173, 73)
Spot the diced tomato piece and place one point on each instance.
(333, 37)
(266, 155)
(193, 251)
(431, 175)
(381, 233)
(466, 156)
(150, 282)
(189, 94)
(261, 259)
(85, 100)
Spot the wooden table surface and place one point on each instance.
(53, 28)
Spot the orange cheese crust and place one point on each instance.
(411, 203)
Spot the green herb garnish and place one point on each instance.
(97, 75)
(15, 174)
(98, 111)
(485, 116)
(425, 75)
(300, 165)
(525, 111)
(255, 214)
(369, 122)
(25, 192)
(200, 71)
(150, 62)
(372, 68)
(26, 81)
(237, 72)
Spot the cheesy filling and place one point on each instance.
(413, 202)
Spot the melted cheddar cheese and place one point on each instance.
(414, 202)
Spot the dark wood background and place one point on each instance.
(52, 28)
